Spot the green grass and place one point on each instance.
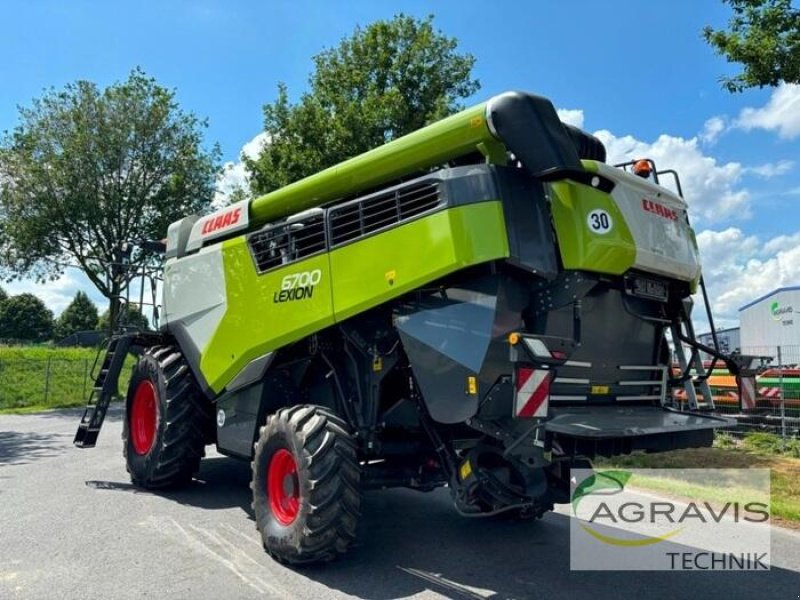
(758, 452)
(35, 378)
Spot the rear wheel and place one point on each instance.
(305, 484)
(165, 423)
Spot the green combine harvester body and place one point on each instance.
(482, 303)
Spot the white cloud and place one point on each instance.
(573, 117)
(232, 178)
(711, 188)
(772, 169)
(781, 243)
(59, 293)
(253, 148)
(738, 268)
(234, 174)
(781, 113)
(712, 129)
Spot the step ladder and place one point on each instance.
(697, 382)
(105, 386)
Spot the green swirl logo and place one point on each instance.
(774, 308)
(610, 483)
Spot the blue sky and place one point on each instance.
(639, 74)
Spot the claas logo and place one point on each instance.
(659, 209)
(221, 221)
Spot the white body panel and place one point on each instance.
(657, 220)
(194, 293)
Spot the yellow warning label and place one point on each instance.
(476, 121)
(377, 364)
(465, 470)
(390, 276)
(472, 385)
(599, 389)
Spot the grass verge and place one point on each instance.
(744, 454)
(36, 378)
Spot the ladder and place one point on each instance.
(105, 387)
(697, 380)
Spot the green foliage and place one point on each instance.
(784, 470)
(80, 315)
(36, 353)
(763, 443)
(792, 447)
(762, 35)
(25, 317)
(87, 169)
(40, 377)
(382, 82)
(3, 295)
(724, 440)
(129, 316)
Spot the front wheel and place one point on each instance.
(306, 494)
(165, 424)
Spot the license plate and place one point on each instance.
(648, 288)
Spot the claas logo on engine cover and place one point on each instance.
(659, 209)
(221, 221)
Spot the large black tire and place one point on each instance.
(165, 421)
(306, 479)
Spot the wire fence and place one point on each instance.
(777, 408)
(49, 382)
(44, 382)
(54, 381)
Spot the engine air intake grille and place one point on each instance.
(362, 217)
(288, 242)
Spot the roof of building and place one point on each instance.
(718, 331)
(791, 288)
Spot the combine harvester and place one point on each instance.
(480, 304)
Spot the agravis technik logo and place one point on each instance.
(670, 519)
(609, 483)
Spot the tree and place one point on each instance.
(129, 316)
(382, 82)
(3, 295)
(762, 35)
(80, 315)
(87, 170)
(25, 317)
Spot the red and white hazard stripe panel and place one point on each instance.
(772, 392)
(748, 388)
(533, 392)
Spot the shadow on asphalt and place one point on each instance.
(23, 447)
(222, 483)
(410, 542)
(18, 447)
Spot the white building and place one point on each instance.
(728, 340)
(771, 321)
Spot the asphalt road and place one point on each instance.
(71, 526)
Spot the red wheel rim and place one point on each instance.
(283, 487)
(144, 414)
